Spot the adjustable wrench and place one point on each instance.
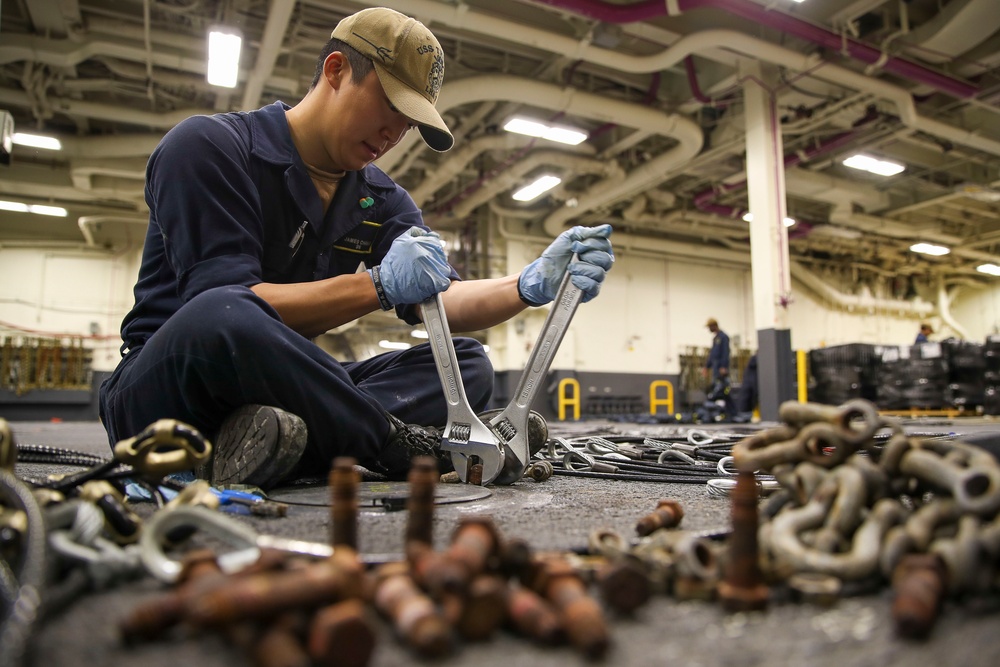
(503, 445)
(511, 425)
(465, 436)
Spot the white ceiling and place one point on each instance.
(915, 81)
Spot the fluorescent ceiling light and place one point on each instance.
(419, 333)
(873, 165)
(929, 249)
(393, 345)
(534, 128)
(19, 207)
(37, 141)
(224, 57)
(991, 269)
(789, 222)
(541, 185)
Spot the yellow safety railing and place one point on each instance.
(655, 401)
(573, 401)
(801, 362)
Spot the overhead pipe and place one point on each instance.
(850, 301)
(459, 158)
(578, 164)
(944, 310)
(703, 200)
(760, 15)
(958, 28)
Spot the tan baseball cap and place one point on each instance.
(409, 62)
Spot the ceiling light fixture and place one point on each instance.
(541, 185)
(990, 269)
(224, 46)
(557, 133)
(37, 141)
(419, 333)
(873, 165)
(393, 345)
(789, 222)
(38, 209)
(929, 249)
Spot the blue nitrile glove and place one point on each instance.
(539, 281)
(414, 269)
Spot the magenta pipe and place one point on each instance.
(640, 11)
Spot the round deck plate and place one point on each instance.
(379, 494)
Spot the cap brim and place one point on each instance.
(415, 106)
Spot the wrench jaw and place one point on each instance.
(466, 442)
(514, 443)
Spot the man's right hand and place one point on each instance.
(415, 268)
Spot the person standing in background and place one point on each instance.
(925, 331)
(717, 364)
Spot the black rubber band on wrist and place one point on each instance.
(375, 273)
(525, 299)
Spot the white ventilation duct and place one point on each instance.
(850, 301)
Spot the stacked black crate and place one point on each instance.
(966, 374)
(843, 372)
(991, 375)
(913, 376)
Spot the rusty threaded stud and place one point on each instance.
(532, 616)
(743, 588)
(624, 585)
(344, 481)
(266, 594)
(579, 613)
(414, 617)
(668, 514)
(475, 475)
(342, 635)
(420, 503)
(919, 583)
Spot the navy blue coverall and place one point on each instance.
(718, 356)
(232, 205)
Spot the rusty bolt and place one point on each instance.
(342, 635)
(474, 543)
(539, 471)
(515, 557)
(266, 594)
(624, 585)
(743, 588)
(579, 613)
(420, 503)
(668, 514)
(919, 583)
(533, 616)
(344, 481)
(279, 644)
(484, 608)
(413, 614)
(150, 619)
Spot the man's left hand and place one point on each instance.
(539, 281)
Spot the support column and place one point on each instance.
(769, 263)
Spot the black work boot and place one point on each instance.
(407, 441)
(256, 445)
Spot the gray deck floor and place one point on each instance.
(557, 514)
